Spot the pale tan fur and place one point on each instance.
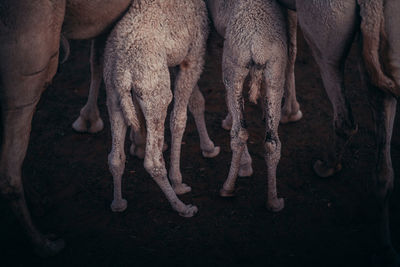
(255, 42)
(152, 36)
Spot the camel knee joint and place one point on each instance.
(272, 144)
(239, 138)
(116, 163)
(155, 170)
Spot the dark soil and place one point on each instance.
(326, 222)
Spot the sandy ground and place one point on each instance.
(326, 222)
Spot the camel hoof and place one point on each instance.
(189, 211)
(245, 170)
(49, 248)
(82, 126)
(226, 124)
(182, 189)
(291, 117)
(276, 205)
(226, 193)
(97, 126)
(213, 153)
(324, 171)
(119, 205)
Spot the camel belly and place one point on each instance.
(85, 19)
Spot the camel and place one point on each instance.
(152, 36)
(29, 54)
(255, 44)
(329, 28)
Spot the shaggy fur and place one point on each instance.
(255, 43)
(290, 111)
(152, 36)
(89, 119)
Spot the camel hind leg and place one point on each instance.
(274, 75)
(154, 103)
(330, 54)
(185, 82)
(25, 70)
(197, 107)
(234, 76)
(116, 158)
(186, 92)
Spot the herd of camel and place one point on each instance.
(135, 42)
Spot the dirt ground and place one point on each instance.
(326, 222)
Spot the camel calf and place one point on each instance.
(89, 120)
(255, 43)
(152, 36)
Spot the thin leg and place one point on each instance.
(245, 169)
(116, 158)
(196, 107)
(154, 111)
(272, 103)
(343, 122)
(89, 119)
(234, 77)
(291, 109)
(185, 82)
(331, 64)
